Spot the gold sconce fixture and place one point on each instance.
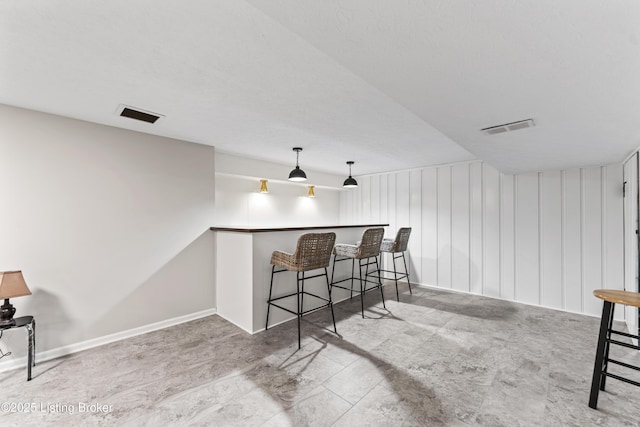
(311, 192)
(263, 186)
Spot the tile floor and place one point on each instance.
(436, 358)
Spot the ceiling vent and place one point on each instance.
(138, 114)
(508, 127)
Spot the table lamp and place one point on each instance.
(12, 285)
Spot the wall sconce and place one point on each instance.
(311, 192)
(263, 186)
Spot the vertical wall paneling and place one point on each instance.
(527, 239)
(551, 239)
(476, 224)
(365, 190)
(572, 239)
(384, 200)
(507, 237)
(592, 242)
(346, 199)
(392, 209)
(613, 231)
(392, 201)
(630, 178)
(375, 199)
(444, 227)
(415, 222)
(385, 207)
(403, 189)
(355, 205)
(402, 205)
(358, 196)
(491, 232)
(547, 238)
(460, 227)
(429, 227)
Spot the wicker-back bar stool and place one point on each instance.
(601, 366)
(313, 252)
(366, 250)
(397, 248)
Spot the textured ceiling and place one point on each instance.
(390, 85)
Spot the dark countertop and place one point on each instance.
(262, 230)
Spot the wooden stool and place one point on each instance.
(600, 374)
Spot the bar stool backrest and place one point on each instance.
(402, 239)
(314, 250)
(370, 243)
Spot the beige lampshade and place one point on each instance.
(12, 285)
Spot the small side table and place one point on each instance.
(30, 323)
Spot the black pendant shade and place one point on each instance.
(350, 182)
(297, 174)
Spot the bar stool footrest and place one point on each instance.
(302, 312)
(626, 365)
(624, 344)
(619, 378)
(400, 276)
(625, 334)
(356, 290)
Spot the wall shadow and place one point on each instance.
(168, 293)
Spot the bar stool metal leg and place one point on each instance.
(333, 271)
(607, 345)
(406, 270)
(353, 265)
(395, 275)
(380, 283)
(298, 301)
(607, 308)
(266, 326)
(361, 287)
(333, 317)
(302, 294)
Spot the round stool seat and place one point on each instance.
(618, 297)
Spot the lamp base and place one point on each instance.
(7, 310)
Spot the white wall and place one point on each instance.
(109, 226)
(547, 238)
(239, 202)
(630, 169)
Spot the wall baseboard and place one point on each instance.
(458, 291)
(21, 362)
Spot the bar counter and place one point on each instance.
(243, 270)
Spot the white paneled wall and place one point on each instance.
(547, 238)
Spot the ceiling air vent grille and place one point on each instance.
(138, 114)
(508, 127)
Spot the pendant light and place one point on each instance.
(297, 174)
(350, 182)
(311, 192)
